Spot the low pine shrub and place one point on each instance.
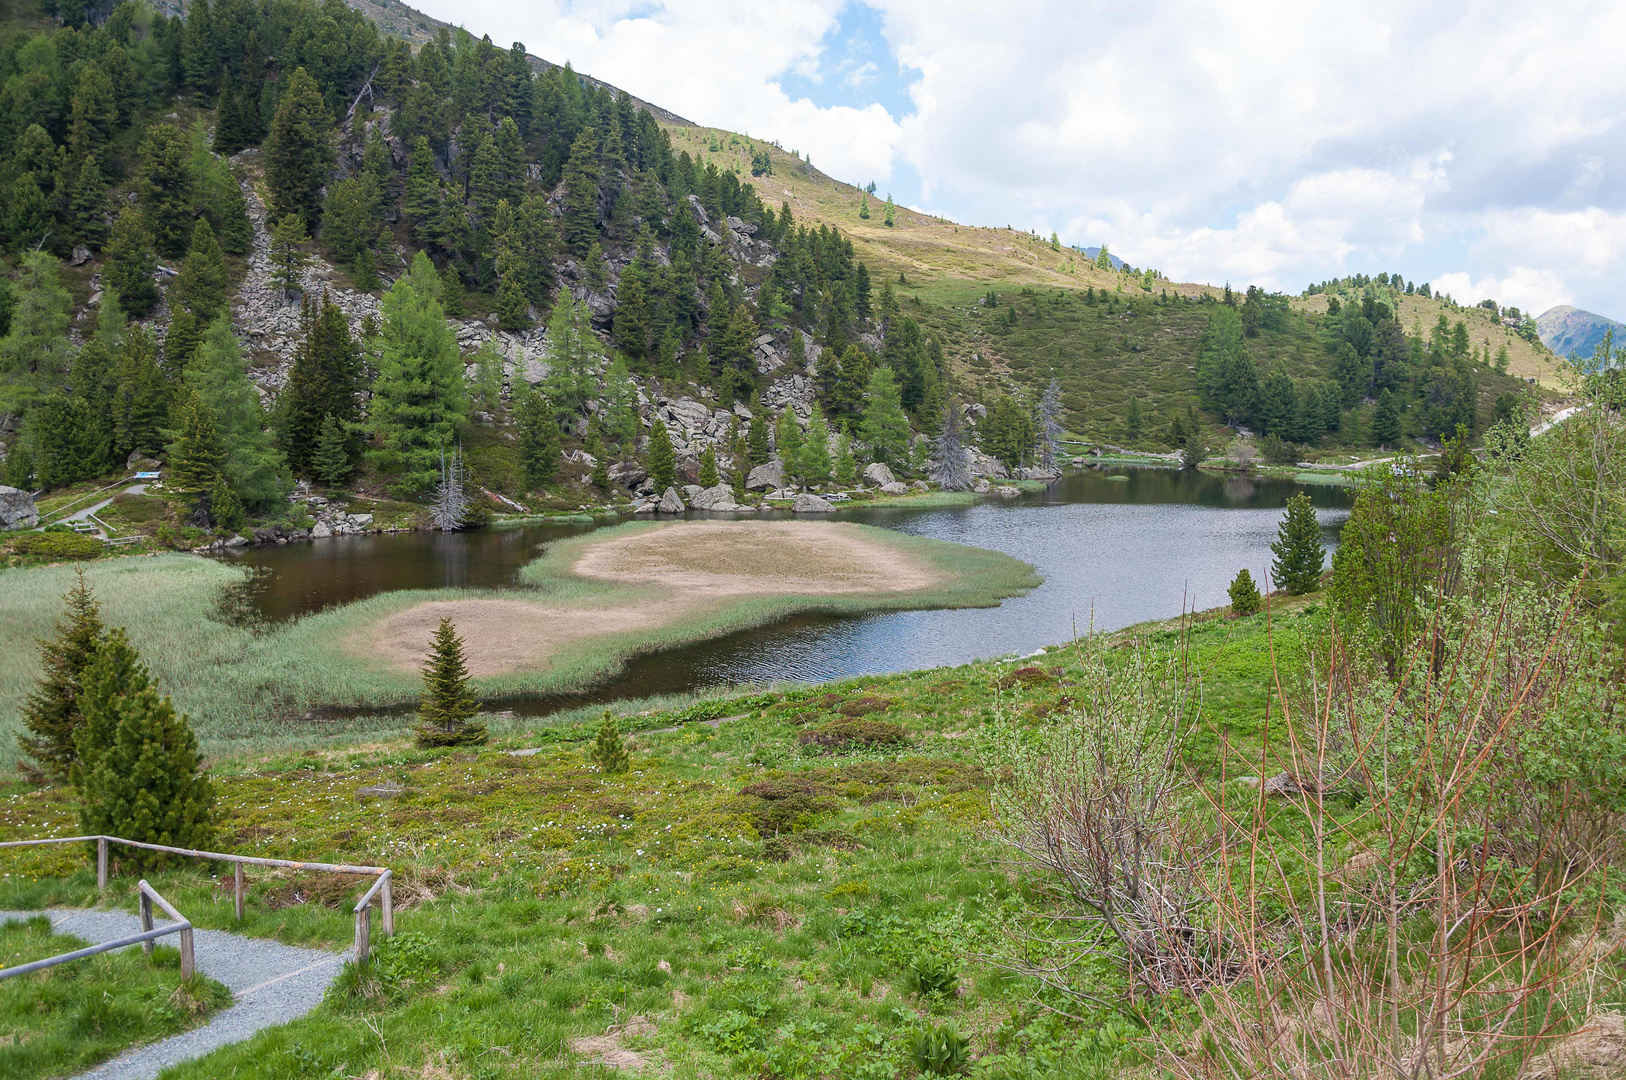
(847, 734)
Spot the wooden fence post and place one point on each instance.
(188, 958)
(387, 902)
(145, 904)
(237, 888)
(364, 920)
(101, 863)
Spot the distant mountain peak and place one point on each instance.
(1573, 333)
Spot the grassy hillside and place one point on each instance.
(1141, 344)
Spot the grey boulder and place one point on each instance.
(878, 474)
(810, 504)
(767, 477)
(671, 502)
(718, 498)
(894, 488)
(17, 509)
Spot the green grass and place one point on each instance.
(68, 1018)
(243, 689)
(755, 900)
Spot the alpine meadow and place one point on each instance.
(499, 579)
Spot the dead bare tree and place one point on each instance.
(451, 506)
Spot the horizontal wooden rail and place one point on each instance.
(149, 933)
(382, 888)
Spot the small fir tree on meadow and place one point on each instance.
(863, 207)
(52, 715)
(609, 752)
(1245, 598)
(708, 468)
(139, 773)
(1298, 548)
(448, 706)
(891, 213)
(662, 458)
(331, 459)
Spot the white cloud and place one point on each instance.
(1527, 288)
(1279, 141)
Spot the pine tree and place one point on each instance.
(816, 452)
(51, 713)
(181, 339)
(201, 286)
(609, 752)
(88, 205)
(1386, 421)
(128, 264)
(236, 233)
(885, 427)
(330, 460)
(19, 470)
(1245, 598)
(299, 150)
(139, 772)
(951, 464)
(444, 715)
(141, 397)
(1132, 418)
(194, 454)
(1298, 548)
(708, 468)
(758, 451)
(662, 458)
(418, 397)
(288, 256)
(538, 440)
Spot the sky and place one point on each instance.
(1276, 144)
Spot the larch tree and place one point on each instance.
(418, 401)
(885, 427)
(251, 465)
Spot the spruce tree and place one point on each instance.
(1386, 421)
(139, 772)
(299, 150)
(201, 286)
(609, 752)
(662, 458)
(538, 440)
(194, 453)
(128, 264)
(168, 189)
(288, 256)
(708, 468)
(330, 460)
(1298, 548)
(885, 427)
(324, 381)
(445, 712)
(52, 714)
(1245, 598)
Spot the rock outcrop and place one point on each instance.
(878, 474)
(17, 509)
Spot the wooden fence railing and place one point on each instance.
(363, 911)
(149, 897)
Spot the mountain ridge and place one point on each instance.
(1574, 333)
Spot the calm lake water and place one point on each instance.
(1118, 546)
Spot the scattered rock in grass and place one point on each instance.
(389, 789)
(806, 503)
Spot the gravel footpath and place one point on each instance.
(272, 984)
